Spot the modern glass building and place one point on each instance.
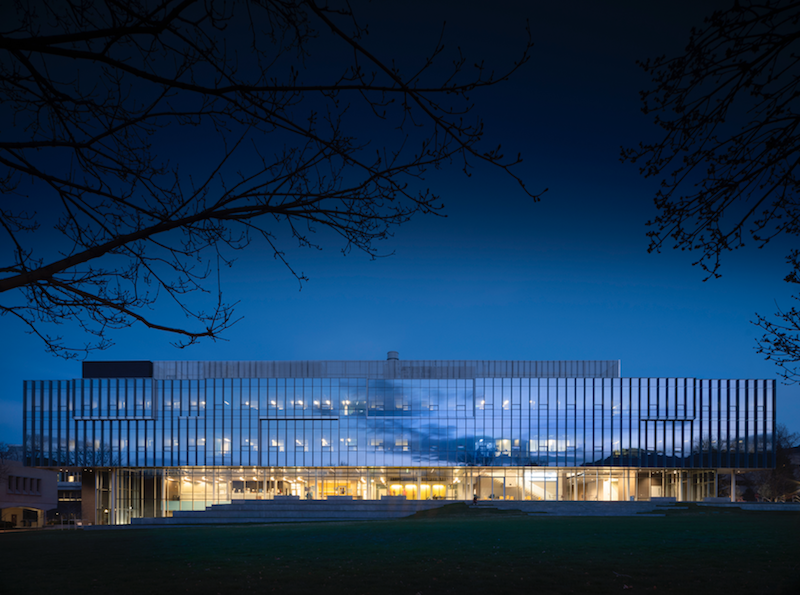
(149, 438)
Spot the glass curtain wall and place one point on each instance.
(160, 492)
(355, 422)
(164, 445)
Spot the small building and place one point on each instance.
(26, 494)
(150, 438)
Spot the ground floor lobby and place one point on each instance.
(124, 493)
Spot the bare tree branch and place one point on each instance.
(111, 202)
(729, 158)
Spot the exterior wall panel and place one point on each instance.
(430, 369)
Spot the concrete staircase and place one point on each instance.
(653, 507)
(291, 509)
(771, 506)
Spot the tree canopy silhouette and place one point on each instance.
(143, 143)
(728, 159)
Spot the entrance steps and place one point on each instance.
(773, 506)
(291, 509)
(652, 507)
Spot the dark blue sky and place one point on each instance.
(502, 277)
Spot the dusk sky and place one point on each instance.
(501, 277)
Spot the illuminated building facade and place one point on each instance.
(154, 437)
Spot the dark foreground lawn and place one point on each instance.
(455, 550)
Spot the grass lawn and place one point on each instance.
(451, 550)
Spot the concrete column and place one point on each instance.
(733, 485)
(583, 483)
(162, 504)
(472, 489)
(112, 498)
(88, 495)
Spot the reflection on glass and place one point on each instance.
(580, 426)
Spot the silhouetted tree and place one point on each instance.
(5, 456)
(784, 480)
(145, 141)
(728, 160)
